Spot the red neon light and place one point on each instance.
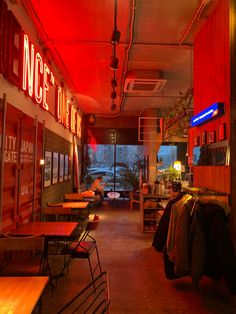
(38, 78)
(72, 119)
(46, 73)
(36, 74)
(59, 102)
(78, 125)
(28, 66)
(67, 113)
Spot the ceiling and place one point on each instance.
(156, 42)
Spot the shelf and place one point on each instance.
(151, 211)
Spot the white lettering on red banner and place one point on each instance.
(10, 153)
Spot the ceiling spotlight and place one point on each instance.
(114, 63)
(115, 37)
(113, 94)
(113, 106)
(114, 83)
(91, 119)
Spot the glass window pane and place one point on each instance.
(119, 169)
(100, 162)
(168, 154)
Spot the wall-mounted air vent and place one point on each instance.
(144, 81)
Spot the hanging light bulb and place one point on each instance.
(113, 106)
(113, 94)
(114, 83)
(91, 119)
(114, 63)
(115, 37)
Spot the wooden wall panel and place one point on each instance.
(214, 178)
(212, 84)
(18, 181)
(10, 181)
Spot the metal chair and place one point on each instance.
(134, 199)
(56, 213)
(50, 204)
(94, 298)
(73, 197)
(83, 248)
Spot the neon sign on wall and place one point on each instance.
(207, 114)
(36, 75)
(23, 66)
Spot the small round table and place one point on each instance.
(113, 195)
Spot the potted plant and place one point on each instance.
(129, 175)
(169, 175)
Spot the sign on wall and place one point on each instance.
(25, 67)
(47, 168)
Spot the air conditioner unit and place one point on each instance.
(144, 81)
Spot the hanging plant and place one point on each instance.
(177, 119)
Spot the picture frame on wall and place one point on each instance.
(66, 168)
(211, 137)
(203, 137)
(55, 167)
(222, 131)
(196, 141)
(61, 167)
(69, 166)
(47, 168)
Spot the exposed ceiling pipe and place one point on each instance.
(125, 66)
(133, 6)
(194, 18)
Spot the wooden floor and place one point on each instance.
(136, 276)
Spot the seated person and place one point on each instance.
(98, 187)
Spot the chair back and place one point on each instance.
(50, 204)
(55, 212)
(94, 298)
(73, 197)
(22, 243)
(22, 255)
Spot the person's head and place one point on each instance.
(100, 178)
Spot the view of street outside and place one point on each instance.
(111, 164)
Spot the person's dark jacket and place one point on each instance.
(220, 258)
(160, 236)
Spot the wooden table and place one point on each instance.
(77, 208)
(20, 294)
(75, 205)
(73, 197)
(49, 229)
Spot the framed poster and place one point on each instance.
(47, 168)
(61, 168)
(211, 137)
(196, 141)
(203, 137)
(66, 168)
(222, 132)
(69, 166)
(54, 167)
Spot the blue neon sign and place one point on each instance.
(211, 112)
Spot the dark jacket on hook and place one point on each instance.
(160, 236)
(220, 255)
